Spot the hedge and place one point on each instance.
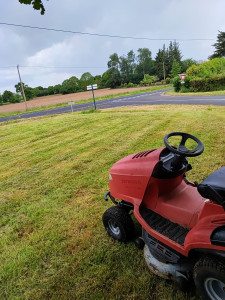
(199, 84)
(213, 83)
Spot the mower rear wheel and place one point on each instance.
(209, 277)
(118, 223)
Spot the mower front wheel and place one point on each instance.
(209, 277)
(118, 223)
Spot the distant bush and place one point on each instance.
(123, 85)
(184, 89)
(131, 84)
(148, 80)
(9, 97)
(168, 80)
(177, 83)
(187, 81)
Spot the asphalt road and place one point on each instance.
(151, 98)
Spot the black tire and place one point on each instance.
(118, 224)
(209, 278)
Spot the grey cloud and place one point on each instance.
(155, 19)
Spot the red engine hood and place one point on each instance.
(130, 175)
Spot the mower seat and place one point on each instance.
(213, 187)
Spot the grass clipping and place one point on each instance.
(53, 174)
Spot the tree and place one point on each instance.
(127, 66)
(185, 64)
(37, 4)
(17, 98)
(165, 57)
(71, 85)
(57, 89)
(161, 63)
(29, 92)
(105, 82)
(219, 45)
(18, 87)
(113, 61)
(131, 61)
(145, 63)
(98, 80)
(173, 53)
(175, 69)
(124, 69)
(114, 78)
(8, 96)
(51, 90)
(85, 80)
(1, 100)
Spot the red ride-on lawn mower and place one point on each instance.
(183, 223)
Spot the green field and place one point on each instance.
(53, 174)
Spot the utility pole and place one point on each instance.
(21, 84)
(164, 72)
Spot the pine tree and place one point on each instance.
(173, 52)
(161, 63)
(219, 45)
(175, 69)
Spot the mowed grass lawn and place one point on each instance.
(53, 174)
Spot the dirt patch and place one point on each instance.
(56, 99)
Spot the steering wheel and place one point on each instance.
(182, 149)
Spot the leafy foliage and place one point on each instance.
(85, 80)
(148, 79)
(71, 85)
(9, 97)
(205, 84)
(175, 69)
(177, 83)
(114, 77)
(37, 4)
(185, 64)
(29, 93)
(145, 63)
(208, 68)
(187, 82)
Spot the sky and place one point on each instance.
(48, 58)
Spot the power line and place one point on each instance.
(52, 67)
(61, 67)
(104, 35)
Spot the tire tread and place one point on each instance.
(123, 218)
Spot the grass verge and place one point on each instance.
(53, 174)
(152, 89)
(213, 93)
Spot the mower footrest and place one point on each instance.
(173, 231)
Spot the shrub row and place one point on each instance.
(200, 84)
